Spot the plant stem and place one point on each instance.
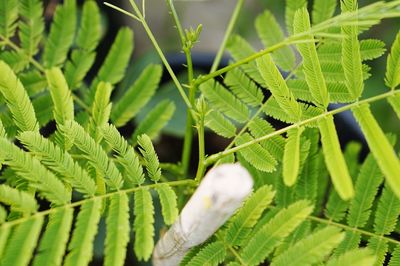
(213, 158)
(188, 139)
(186, 182)
(202, 160)
(228, 33)
(161, 54)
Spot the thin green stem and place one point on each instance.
(213, 158)
(122, 11)
(286, 42)
(188, 139)
(178, 25)
(161, 54)
(228, 33)
(354, 229)
(202, 156)
(186, 182)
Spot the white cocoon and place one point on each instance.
(218, 196)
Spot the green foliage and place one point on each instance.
(80, 249)
(334, 158)
(392, 78)
(72, 152)
(143, 224)
(17, 100)
(31, 26)
(61, 34)
(311, 66)
(19, 201)
(380, 146)
(136, 96)
(8, 18)
(212, 254)
(117, 230)
(168, 203)
(57, 231)
(150, 157)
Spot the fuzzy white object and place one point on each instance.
(218, 196)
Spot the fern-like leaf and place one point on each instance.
(256, 155)
(224, 101)
(61, 96)
(95, 154)
(323, 10)
(81, 246)
(380, 146)
(150, 157)
(243, 87)
(336, 207)
(168, 203)
(271, 33)
(101, 110)
(117, 238)
(395, 103)
(362, 257)
(143, 224)
(334, 158)
(274, 231)
(368, 182)
(240, 226)
(392, 78)
(58, 161)
(291, 7)
(306, 186)
(31, 26)
(260, 127)
(155, 120)
(54, 241)
(239, 48)
(88, 37)
(311, 66)
(312, 249)
(5, 231)
(291, 157)
(211, 255)
(61, 34)
(369, 49)
(8, 18)
(24, 237)
(395, 259)
(386, 216)
(113, 68)
(34, 172)
(126, 155)
(137, 95)
(17, 100)
(351, 56)
(278, 87)
(20, 201)
(218, 123)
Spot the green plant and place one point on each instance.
(297, 215)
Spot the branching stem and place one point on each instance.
(186, 182)
(213, 158)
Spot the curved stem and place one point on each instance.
(213, 158)
(186, 182)
(228, 33)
